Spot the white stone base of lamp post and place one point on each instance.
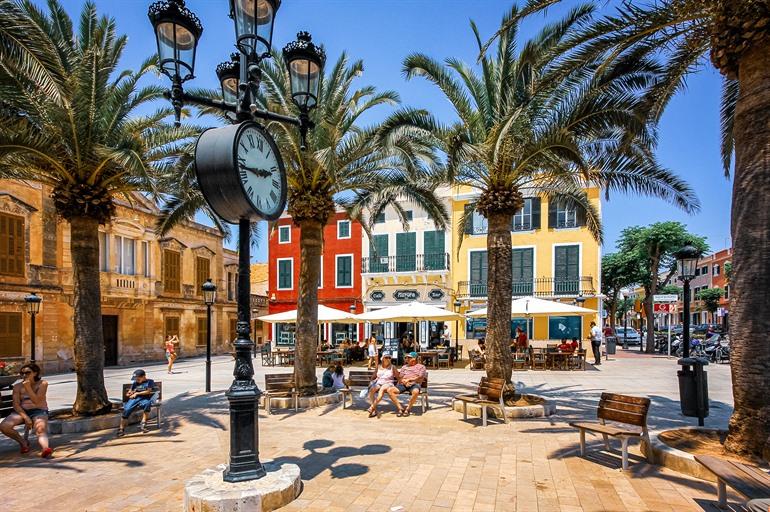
(207, 492)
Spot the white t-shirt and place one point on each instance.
(372, 350)
(596, 334)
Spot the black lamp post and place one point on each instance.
(209, 297)
(32, 301)
(687, 262)
(457, 305)
(352, 309)
(177, 31)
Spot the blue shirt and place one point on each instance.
(147, 385)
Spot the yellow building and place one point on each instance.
(150, 286)
(554, 257)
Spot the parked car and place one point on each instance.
(632, 336)
(678, 329)
(704, 328)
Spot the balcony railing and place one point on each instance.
(540, 287)
(405, 263)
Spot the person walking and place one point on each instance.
(596, 343)
(30, 408)
(372, 352)
(170, 346)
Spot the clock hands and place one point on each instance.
(259, 172)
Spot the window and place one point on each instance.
(378, 253)
(126, 255)
(202, 273)
(284, 334)
(478, 274)
(564, 327)
(566, 216)
(233, 331)
(704, 270)
(146, 258)
(697, 271)
(406, 252)
(10, 335)
(479, 224)
(285, 273)
(523, 272)
(231, 285)
(172, 271)
(344, 269)
(11, 245)
(171, 326)
(716, 270)
(727, 291)
(284, 234)
(343, 229)
(321, 273)
(409, 214)
(202, 332)
(435, 257)
(522, 219)
(379, 218)
(566, 270)
(104, 252)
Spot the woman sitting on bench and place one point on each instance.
(30, 408)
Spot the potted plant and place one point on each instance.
(9, 373)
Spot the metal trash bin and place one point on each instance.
(611, 343)
(693, 387)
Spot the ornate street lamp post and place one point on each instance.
(239, 167)
(32, 301)
(457, 305)
(353, 327)
(209, 297)
(687, 262)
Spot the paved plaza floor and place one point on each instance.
(430, 462)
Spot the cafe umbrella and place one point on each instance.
(410, 312)
(532, 306)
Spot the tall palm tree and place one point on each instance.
(67, 120)
(525, 126)
(361, 168)
(684, 35)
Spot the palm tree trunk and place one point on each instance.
(91, 395)
(499, 290)
(310, 242)
(749, 430)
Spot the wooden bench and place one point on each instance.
(157, 399)
(749, 481)
(358, 379)
(623, 409)
(488, 395)
(423, 396)
(280, 385)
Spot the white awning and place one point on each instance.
(410, 312)
(532, 306)
(326, 315)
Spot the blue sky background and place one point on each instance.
(383, 32)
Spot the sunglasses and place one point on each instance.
(28, 372)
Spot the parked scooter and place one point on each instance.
(717, 348)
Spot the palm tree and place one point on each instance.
(67, 120)
(684, 35)
(527, 127)
(362, 169)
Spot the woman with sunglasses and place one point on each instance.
(31, 409)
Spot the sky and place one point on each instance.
(383, 32)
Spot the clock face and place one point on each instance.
(259, 171)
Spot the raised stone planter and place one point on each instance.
(91, 423)
(207, 492)
(664, 455)
(305, 402)
(526, 411)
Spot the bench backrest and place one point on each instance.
(158, 389)
(6, 402)
(491, 387)
(360, 377)
(279, 381)
(631, 410)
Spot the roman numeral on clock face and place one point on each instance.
(273, 196)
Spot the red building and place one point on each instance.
(719, 279)
(340, 285)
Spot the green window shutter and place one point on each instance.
(536, 206)
(433, 250)
(522, 272)
(406, 252)
(552, 213)
(284, 274)
(378, 249)
(344, 271)
(567, 270)
(478, 283)
(468, 227)
(580, 215)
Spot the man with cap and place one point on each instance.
(410, 377)
(140, 395)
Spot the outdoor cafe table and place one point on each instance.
(558, 359)
(284, 357)
(430, 354)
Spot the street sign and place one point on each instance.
(662, 308)
(669, 297)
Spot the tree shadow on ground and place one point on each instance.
(316, 461)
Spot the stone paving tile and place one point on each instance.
(431, 462)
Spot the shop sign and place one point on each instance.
(377, 295)
(436, 294)
(406, 295)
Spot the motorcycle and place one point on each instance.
(717, 348)
(696, 348)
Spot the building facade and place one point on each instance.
(339, 286)
(555, 257)
(403, 265)
(150, 287)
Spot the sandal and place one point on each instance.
(372, 413)
(144, 428)
(121, 432)
(46, 454)
(406, 413)
(24, 449)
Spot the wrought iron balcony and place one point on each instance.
(539, 287)
(437, 262)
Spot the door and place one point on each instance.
(110, 329)
(434, 250)
(378, 254)
(566, 270)
(522, 276)
(406, 252)
(478, 284)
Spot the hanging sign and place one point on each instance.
(668, 297)
(436, 294)
(377, 295)
(406, 295)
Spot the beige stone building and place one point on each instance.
(150, 286)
